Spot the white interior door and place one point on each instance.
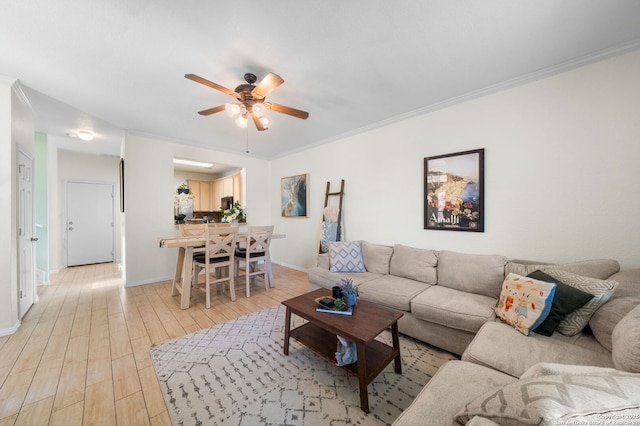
(26, 235)
(89, 224)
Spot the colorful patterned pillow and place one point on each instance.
(524, 302)
(600, 289)
(346, 257)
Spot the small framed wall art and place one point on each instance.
(294, 195)
(454, 191)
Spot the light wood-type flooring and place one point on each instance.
(81, 355)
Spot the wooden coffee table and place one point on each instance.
(367, 322)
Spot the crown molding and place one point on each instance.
(507, 84)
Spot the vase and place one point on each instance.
(351, 299)
(234, 223)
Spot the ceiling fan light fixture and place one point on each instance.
(85, 136)
(259, 109)
(265, 122)
(232, 109)
(242, 121)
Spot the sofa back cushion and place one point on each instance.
(626, 342)
(414, 263)
(597, 268)
(606, 318)
(473, 273)
(376, 257)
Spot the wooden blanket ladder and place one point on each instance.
(340, 195)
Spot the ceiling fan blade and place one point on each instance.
(287, 110)
(257, 122)
(270, 82)
(212, 110)
(212, 85)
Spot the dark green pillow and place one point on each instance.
(566, 300)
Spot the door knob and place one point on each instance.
(33, 239)
(70, 223)
(71, 228)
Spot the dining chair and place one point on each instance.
(217, 261)
(255, 254)
(192, 229)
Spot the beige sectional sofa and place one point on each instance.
(448, 300)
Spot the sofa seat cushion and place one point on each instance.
(499, 346)
(471, 273)
(584, 340)
(414, 263)
(391, 291)
(453, 385)
(453, 308)
(324, 278)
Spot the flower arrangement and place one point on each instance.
(236, 212)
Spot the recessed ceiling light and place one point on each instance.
(192, 163)
(85, 136)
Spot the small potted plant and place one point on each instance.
(349, 292)
(183, 189)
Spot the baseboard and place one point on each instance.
(297, 268)
(149, 281)
(11, 330)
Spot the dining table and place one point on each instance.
(184, 264)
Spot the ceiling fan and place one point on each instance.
(251, 100)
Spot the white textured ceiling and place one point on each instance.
(119, 65)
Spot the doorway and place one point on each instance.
(89, 222)
(26, 235)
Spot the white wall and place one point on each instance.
(561, 156)
(149, 194)
(16, 132)
(72, 165)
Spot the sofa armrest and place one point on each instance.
(323, 261)
(501, 347)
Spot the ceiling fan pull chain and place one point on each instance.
(247, 140)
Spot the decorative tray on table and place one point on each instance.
(333, 306)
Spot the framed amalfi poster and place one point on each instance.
(454, 191)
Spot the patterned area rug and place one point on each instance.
(237, 374)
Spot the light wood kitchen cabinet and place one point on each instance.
(217, 192)
(207, 195)
(228, 187)
(201, 191)
(237, 188)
